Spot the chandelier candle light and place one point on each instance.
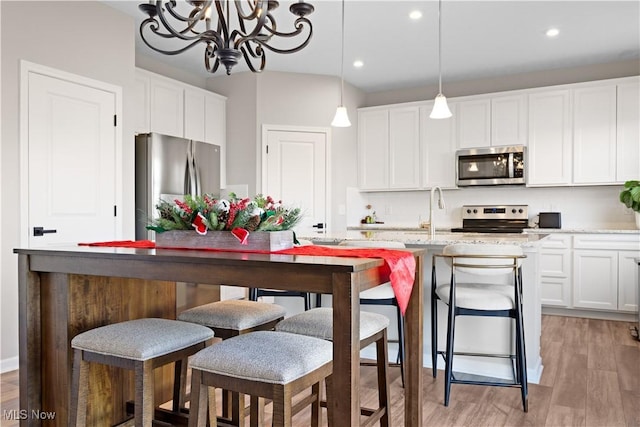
(440, 107)
(341, 119)
(253, 33)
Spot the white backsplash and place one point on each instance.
(581, 207)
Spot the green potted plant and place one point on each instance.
(630, 196)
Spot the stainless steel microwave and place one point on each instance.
(491, 166)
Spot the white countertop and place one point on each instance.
(386, 227)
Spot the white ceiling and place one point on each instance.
(480, 39)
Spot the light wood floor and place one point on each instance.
(591, 378)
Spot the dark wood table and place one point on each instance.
(67, 290)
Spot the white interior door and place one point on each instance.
(295, 171)
(71, 162)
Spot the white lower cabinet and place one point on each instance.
(604, 273)
(555, 271)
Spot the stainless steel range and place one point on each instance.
(494, 219)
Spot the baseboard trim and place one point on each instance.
(590, 314)
(8, 365)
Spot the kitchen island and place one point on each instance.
(472, 334)
(67, 290)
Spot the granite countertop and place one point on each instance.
(605, 230)
(422, 237)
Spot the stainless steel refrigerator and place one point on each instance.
(168, 168)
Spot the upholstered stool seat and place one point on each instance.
(228, 319)
(318, 323)
(263, 364)
(234, 317)
(139, 345)
(485, 280)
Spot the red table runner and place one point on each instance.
(399, 265)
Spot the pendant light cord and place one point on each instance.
(342, 59)
(439, 47)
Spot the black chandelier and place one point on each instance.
(224, 45)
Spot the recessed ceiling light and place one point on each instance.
(358, 63)
(415, 14)
(552, 32)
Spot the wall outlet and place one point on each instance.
(388, 209)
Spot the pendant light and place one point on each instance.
(440, 107)
(341, 119)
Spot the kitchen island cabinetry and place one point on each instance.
(555, 270)
(389, 148)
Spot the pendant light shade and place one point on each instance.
(440, 107)
(341, 119)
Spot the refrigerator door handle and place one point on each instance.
(190, 183)
(196, 173)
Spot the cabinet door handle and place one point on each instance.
(319, 225)
(40, 231)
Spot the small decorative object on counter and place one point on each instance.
(630, 196)
(206, 222)
(371, 218)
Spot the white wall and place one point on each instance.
(276, 98)
(581, 207)
(81, 37)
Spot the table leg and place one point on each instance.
(346, 350)
(413, 326)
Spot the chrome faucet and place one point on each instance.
(432, 227)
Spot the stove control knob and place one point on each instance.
(468, 211)
(513, 211)
(475, 211)
(520, 211)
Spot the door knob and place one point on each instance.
(40, 231)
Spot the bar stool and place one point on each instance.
(266, 365)
(482, 292)
(383, 294)
(228, 319)
(318, 323)
(140, 345)
(255, 293)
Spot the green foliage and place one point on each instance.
(630, 195)
(262, 213)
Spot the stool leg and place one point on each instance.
(400, 343)
(282, 407)
(451, 326)
(434, 324)
(179, 385)
(316, 411)
(382, 362)
(144, 394)
(256, 418)
(328, 385)
(79, 390)
(198, 403)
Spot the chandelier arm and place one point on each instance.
(208, 54)
(300, 27)
(169, 52)
(260, 7)
(191, 18)
(259, 54)
(223, 25)
(172, 32)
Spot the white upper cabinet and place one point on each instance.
(142, 96)
(373, 149)
(492, 121)
(215, 121)
(594, 135)
(549, 148)
(404, 148)
(438, 139)
(389, 148)
(167, 107)
(474, 123)
(628, 131)
(509, 120)
(194, 114)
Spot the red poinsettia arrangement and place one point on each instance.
(240, 216)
